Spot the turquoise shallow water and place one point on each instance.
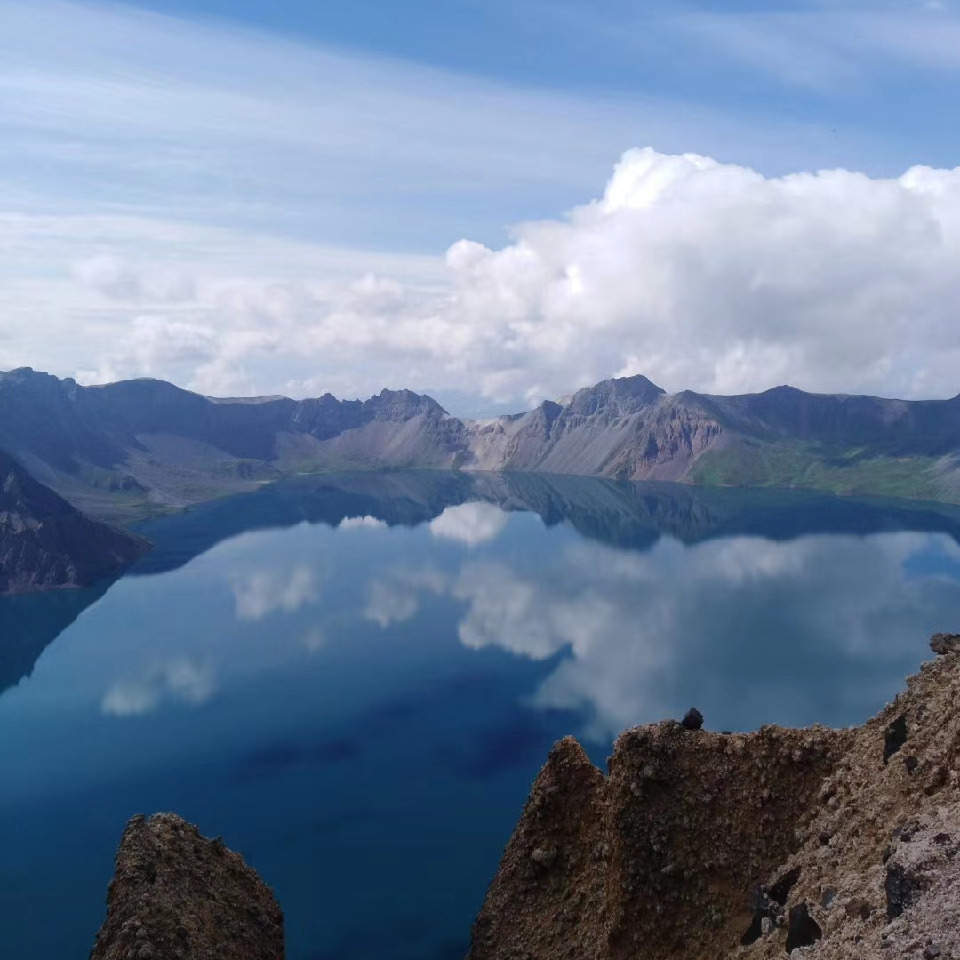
(354, 680)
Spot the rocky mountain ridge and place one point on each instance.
(176, 895)
(126, 450)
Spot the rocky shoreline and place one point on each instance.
(835, 843)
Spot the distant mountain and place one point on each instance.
(630, 429)
(45, 542)
(128, 450)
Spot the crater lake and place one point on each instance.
(354, 679)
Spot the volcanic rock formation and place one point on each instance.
(179, 896)
(698, 845)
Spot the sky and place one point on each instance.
(492, 202)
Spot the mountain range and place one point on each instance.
(128, 450)
(81, 458)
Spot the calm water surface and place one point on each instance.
(354, 680)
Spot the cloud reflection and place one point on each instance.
(470, 523)
(180, 680)
(395, 597)
(793, 632)
(264, 592)
(359, 523)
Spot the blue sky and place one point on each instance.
(869, 77)
(261, 197)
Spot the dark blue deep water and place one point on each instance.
(354, 680)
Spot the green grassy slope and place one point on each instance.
(847, 471)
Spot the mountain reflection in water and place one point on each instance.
(354, 679)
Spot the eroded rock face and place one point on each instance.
(660, 857)
(698, 845)
(179, 896)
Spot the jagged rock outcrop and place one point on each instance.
(629, 429)
(45, 542)
(698, 845)
(179, 896)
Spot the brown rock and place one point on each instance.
(944, 643)
(674, 873)
(179, 896)
(815, 816)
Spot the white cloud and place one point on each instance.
(117, 279)
(218, 206)
(180, 680)
(699, 274)
(470, 523)
(264, 592)
(712, 276)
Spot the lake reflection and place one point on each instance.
(355, 679)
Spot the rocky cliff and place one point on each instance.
(628, 429)
(179, 896)
(45, 542)
(708, 845)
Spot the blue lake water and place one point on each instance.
(354, 680)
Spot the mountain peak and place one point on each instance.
(404, 403)
(622, 395)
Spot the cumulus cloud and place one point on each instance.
(470, 523)
(261, 593)
(711, 276)
(180, 680)
(699, 274)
